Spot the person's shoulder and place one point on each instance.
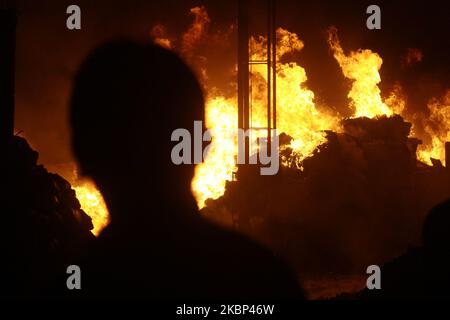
(239, 248)
(228, 240)
(258, 263)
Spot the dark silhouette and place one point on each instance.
(127, 100)
(436, 242)
(422, 272)
(45, 228)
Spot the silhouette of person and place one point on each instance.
(436, 242)
(422, 272)
(127, 100)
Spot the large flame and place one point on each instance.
(297, 112)
(297, 116)
(438, 127)
(93, 204)
(211, 175)
(362, 67)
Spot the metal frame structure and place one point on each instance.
(244, 80)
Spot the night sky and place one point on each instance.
(48, 54)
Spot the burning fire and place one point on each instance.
(413, 55)
(362, 67)
(159, 35)
(298, 113)
(93, 204)
(437, 126)
(197, 30)
(211, 175)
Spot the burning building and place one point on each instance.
(363, 188)
(353, 189)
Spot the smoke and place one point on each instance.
(196, 31)
(413, 55)
(160, 37)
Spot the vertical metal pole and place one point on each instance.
(269, 71)
(243, 73)
(7, 52)
(274, 68)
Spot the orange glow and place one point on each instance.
(211, 175)
(413, 55)
(362, 67)
(159, 36)
(297, 112)
(197, 30)
(93, 204)
(438, 127)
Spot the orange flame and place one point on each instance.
(438, 127)
(93, 204)
(197, 30)
(211, 175)
(159, 36)
(362, 67)
(297, 113)
(413, 55)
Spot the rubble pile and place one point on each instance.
(361, 199)
(44, 226)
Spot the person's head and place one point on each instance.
(127, 100)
